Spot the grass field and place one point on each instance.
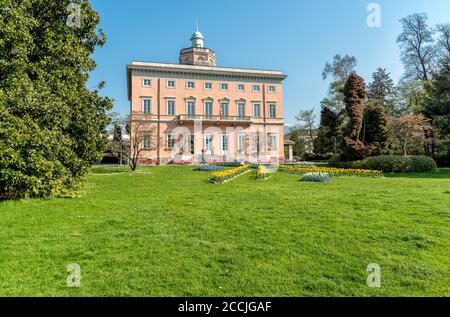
(165, 231)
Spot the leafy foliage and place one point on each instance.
(398, 164)
(52, 127)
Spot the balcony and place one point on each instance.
(217, 119)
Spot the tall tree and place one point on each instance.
(328, 132)
(437, 107)
(354, 95)
(409, 133)
(52, 126)
(417, 47)
(376, 127)
(382, 90)
(339, 70)
(443, 43)
(307, 122)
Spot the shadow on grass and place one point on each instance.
(441, 173)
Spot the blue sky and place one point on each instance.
(295, 36)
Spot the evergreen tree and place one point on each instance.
(437, 107)
(376, 128)
(382, 90)
(328, 132)
(354, 94)
(52, 126)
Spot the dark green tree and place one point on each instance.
(328, 132)
(382, 90)
(52, 126)
(376, 128)
(437, 107)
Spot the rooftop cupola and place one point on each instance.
(197, 39)
(198, 54)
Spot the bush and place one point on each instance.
(398, 164)
(422, 163)
(317, 157)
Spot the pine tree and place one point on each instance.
(382, 90)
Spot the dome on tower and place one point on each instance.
(197, 39)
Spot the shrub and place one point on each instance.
(422, 163)
(398, 164)
(317, 157)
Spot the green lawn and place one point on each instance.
(165, 231)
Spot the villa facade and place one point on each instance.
(197, 112)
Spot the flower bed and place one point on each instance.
(330, 170)
(317, 177)
(261, 173)
(209, 168)
(224, 176)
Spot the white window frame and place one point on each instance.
(208, 101)
(169, 139)
(190, 82)
(147, 137)
(240, 103)
(144, 80)
(224, 89)
(256, 90)
(222, 143)
(240, 90)
(174, 107)
(259, 109)
(187, 107)
(228, 108)
(206, 88)
(174, 84)
(270, 110)
(273, 141)
(208, 145)
(241, 138)
(271, 91)
(144, 99)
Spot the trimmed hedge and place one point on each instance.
(390, 163)
(398, 164)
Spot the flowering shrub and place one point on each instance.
(225, 175)
(209, 168)
(261, 173)
(330, 170)
(318, 177)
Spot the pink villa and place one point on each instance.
(196, 112)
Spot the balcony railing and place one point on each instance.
(219, 119)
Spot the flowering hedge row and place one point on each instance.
(330, 170)
(225, 175)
